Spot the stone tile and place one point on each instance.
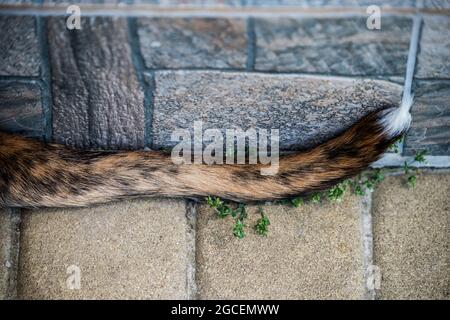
(131, 249)
(436, 4)
(432, 59)
(21, 109)
(97, 99)
(430, 128)
(193, 42)
(341, 46)
(9, 248)
(306, 110)
(313, 252)
(192, 3)
(412, 238)
(331, 3)
(19, 47)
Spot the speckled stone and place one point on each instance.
(98, 102)
(193, 42)
(306, 110)
(131, 249)
(412, 237)
(19, 47)
(341, 46)
(433, 57)
(21, 109)
(436, 4)
(311, 252)
(430, 129)
(331, 3)
(9, 249)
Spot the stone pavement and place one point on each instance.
(126, 82)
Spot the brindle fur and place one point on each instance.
(34, 174)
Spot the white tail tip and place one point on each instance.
(395, 121)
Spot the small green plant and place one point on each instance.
(297, 202)
(411, 172)
(336, 193)
(315, 198)
(238, 229)
(262, 225)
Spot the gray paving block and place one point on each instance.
(411, 230)
(311, 252)
(432, 59)
(193, 42)
(306, 110)
(9, 249)
(341, 46)
(21, 109)
(97, 100)
(430, 128)
(131, 249)
(19, 46)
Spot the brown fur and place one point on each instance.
(33, 174)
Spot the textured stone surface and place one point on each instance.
(433, 57)
(9, 236)
(193, 42)
(436, 4)
(19, 48)
(306, 110)
(332, 45)
(97, 99)
(331, 3)
(313, 252)
(430, 128)
(412, 238)
(131, 249)
(21, 109)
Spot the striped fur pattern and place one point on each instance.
(34, 174)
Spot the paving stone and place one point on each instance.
(97, 99)
(131, 249)
(19, 47)
(430, 128)
(342, 46)
(9, 236)
(412, 237)
(312, 252)
(436, 4)
(306, 110)
(193, 42)
(192, 3)
(21, 109)
(432, 59)
(331, 3)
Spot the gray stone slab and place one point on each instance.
(306, 110)
(436, 4)
(332, 3)
(19, 47)
(433, 57)
(430, 129)
(21, 109)
(193, 42)
(9, 250)
(125, 250)
(97, 99)
(340, 46)
(311, 252)
(411, 230)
